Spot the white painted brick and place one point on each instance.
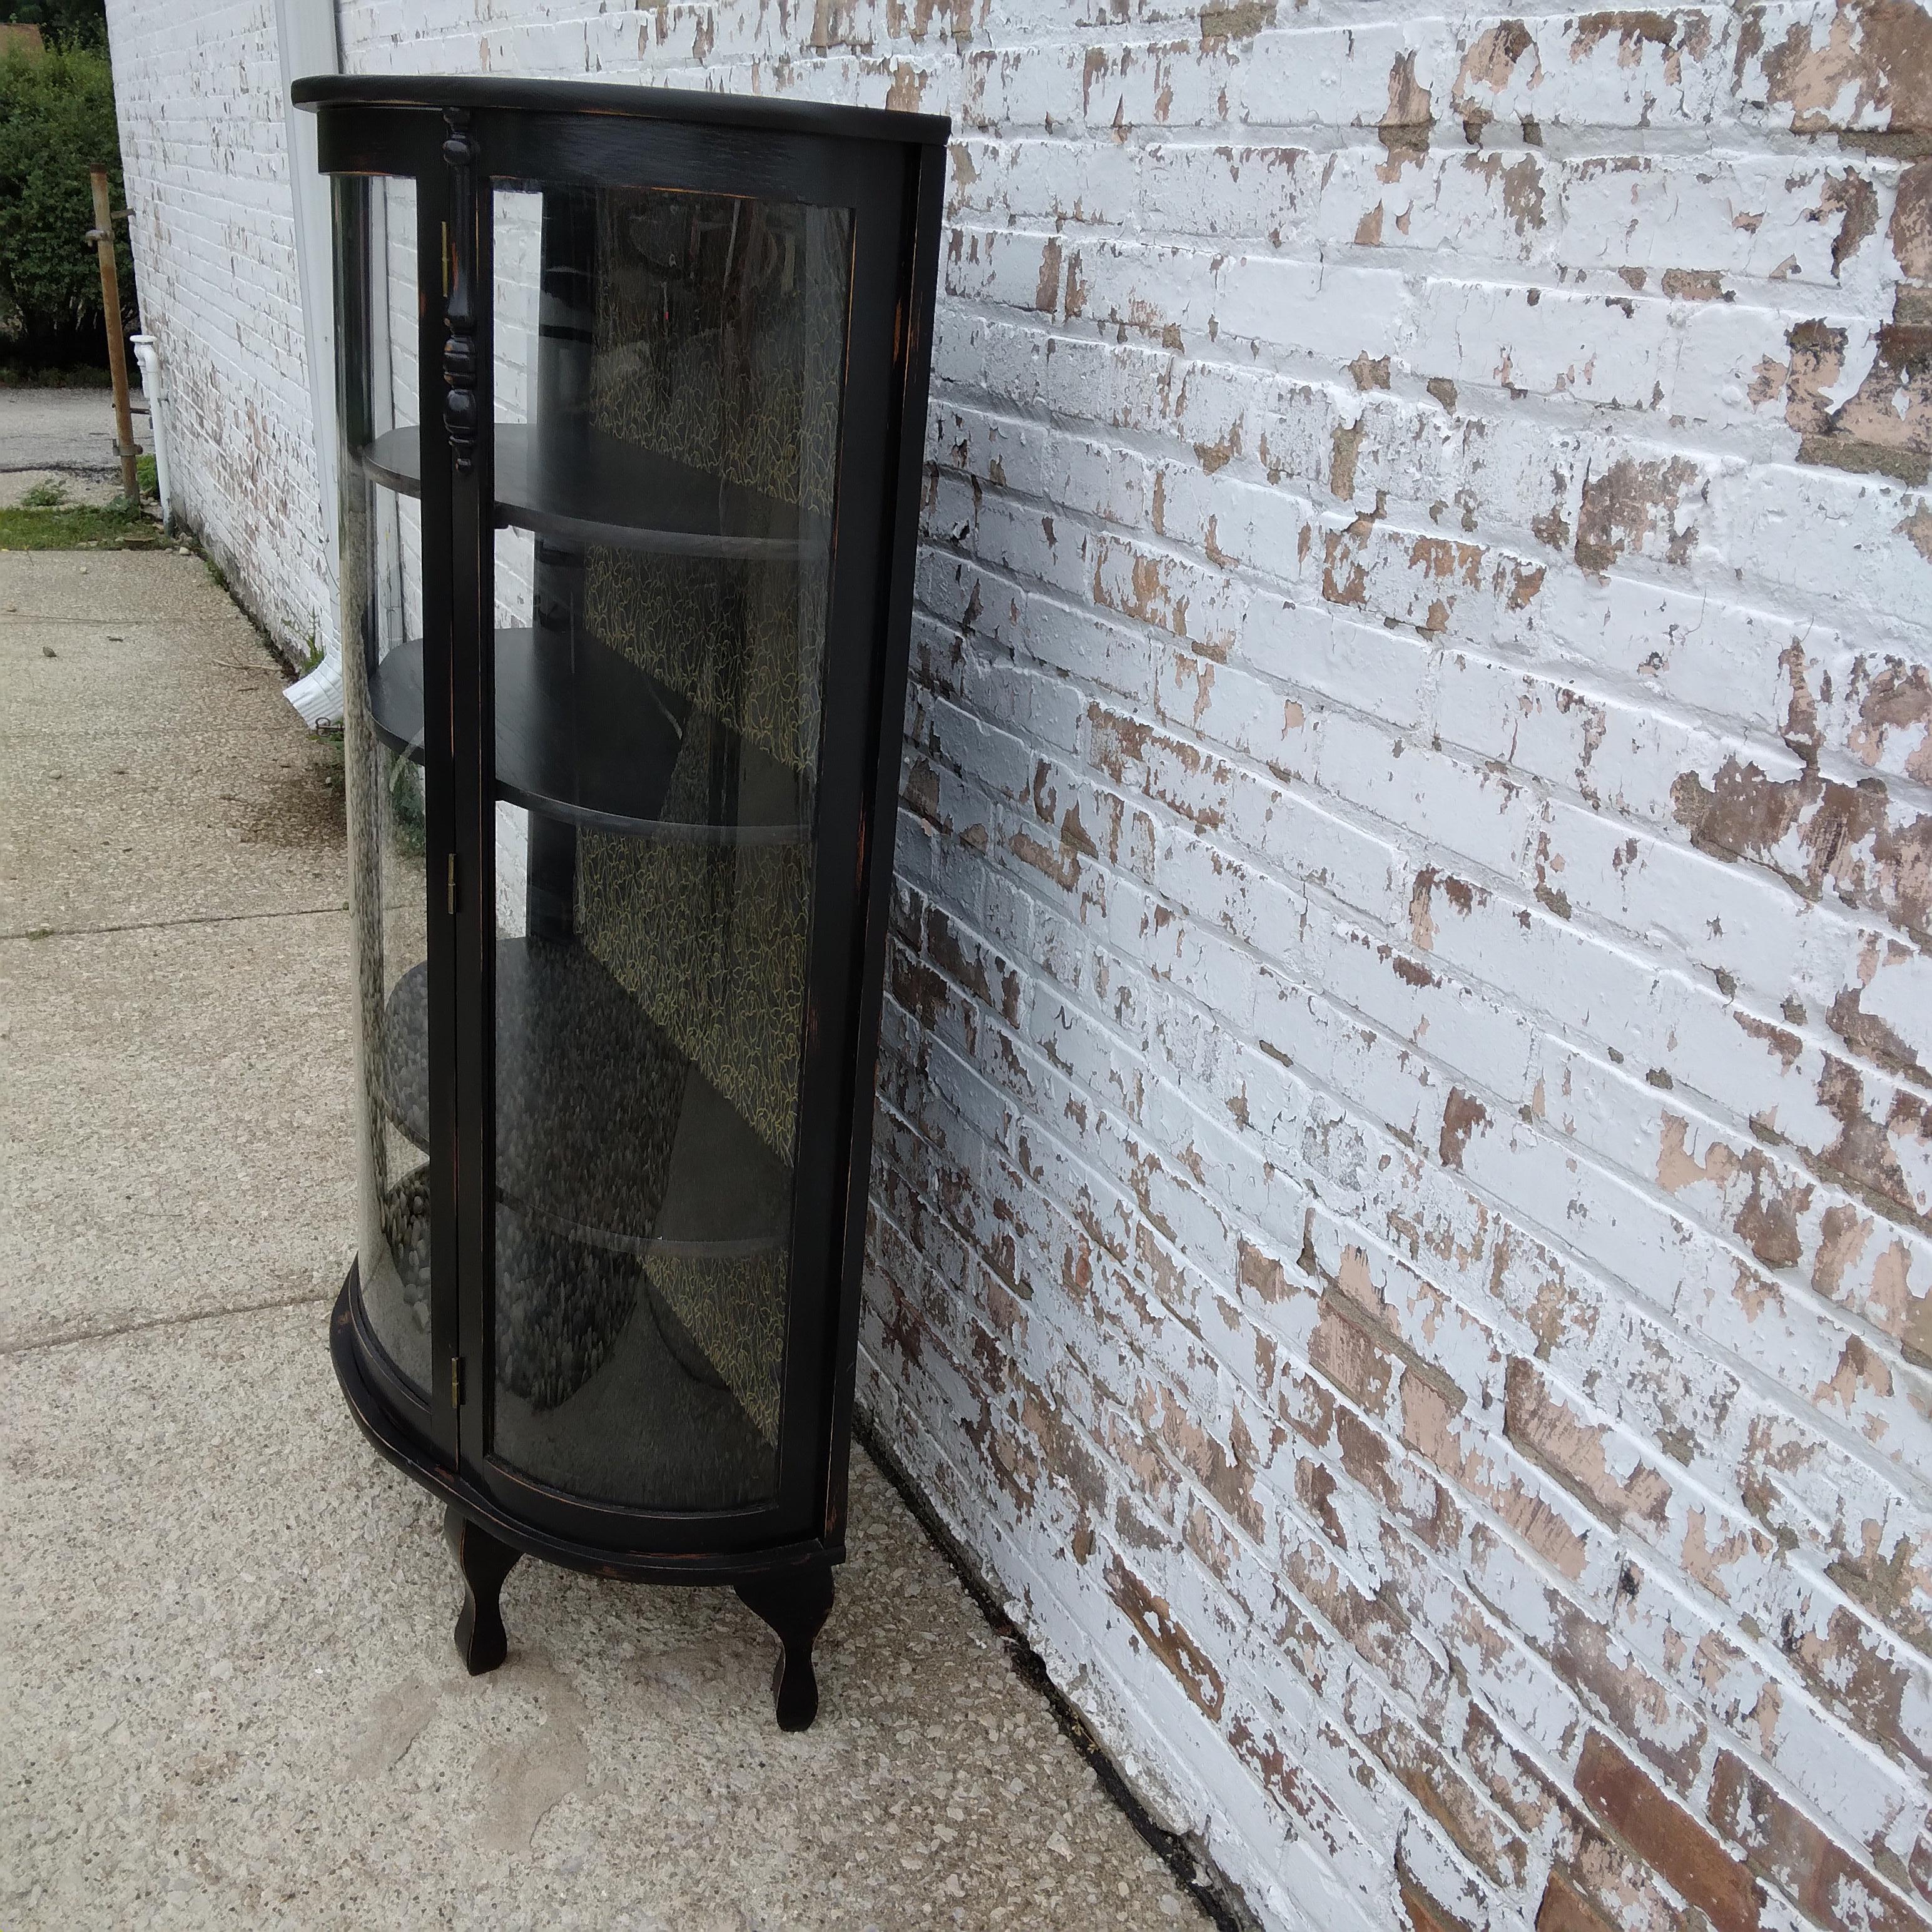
(1374, 932)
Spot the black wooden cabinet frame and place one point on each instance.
(457, 138)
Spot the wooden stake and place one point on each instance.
(103, 239)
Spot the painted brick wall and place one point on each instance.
(203, 155)
(1401, 1232)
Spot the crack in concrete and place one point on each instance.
(68, 1337)
(62, 468)
(159, 925)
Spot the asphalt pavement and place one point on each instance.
(65, 435)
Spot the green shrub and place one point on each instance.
(56, 121)
(64, 23)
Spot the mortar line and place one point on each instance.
(162, 925)
(68, 1339)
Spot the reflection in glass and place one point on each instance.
(661, 596)
(381, 582)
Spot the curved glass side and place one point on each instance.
(668, 384)
(381, 609)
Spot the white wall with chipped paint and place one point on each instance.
(212, 225)
(1400, 1233)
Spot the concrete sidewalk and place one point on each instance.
(225, 1654)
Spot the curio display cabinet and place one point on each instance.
(631, 390)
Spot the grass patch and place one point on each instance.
(44, 519)
(30, 375)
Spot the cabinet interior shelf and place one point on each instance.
(584, 735)
(579, 486)
(606, 1134)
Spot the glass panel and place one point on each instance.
(382, 676)
(667, 392)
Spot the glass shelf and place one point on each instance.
(584, 735)
(582, 486)
(607, 1134)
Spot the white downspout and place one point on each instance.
(148, 355)
(305, 37)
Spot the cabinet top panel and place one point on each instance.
(686, 105)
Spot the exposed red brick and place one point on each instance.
(1461, 1117)
(1549, 1431)
(1634, 506)
(1513, 1781)
(917, 988)
(1565, 1909)
(1314, 1489)
(1430, 1427)
(1227, 1474)
(1783, 1845)
(1427, 1773)
(1813, 832)
(1268, 1277)
(1068, 1453)
(1426, 1914)
(1190, 1665)
(1667, 1837)
(1302, 1796)
(1373, 1626)
(1655, 1721)
(1854, 1669)
(1354, 1360)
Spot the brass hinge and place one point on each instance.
(456, 1382)
(452, 885)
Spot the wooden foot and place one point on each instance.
(797, 1608)
(483, 1563)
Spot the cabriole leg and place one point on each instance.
(796, 1607)
(483, 1562)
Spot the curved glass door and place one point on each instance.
(381, 529)
(668, 378)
